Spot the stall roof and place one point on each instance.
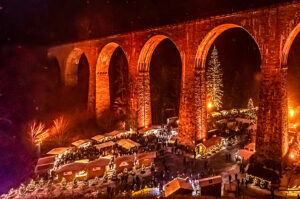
(146, 155)
(98, 163)
(76, 166)
(250, 147)
(113, 133)
(124, 158)
(210, 181)
(46, 160)
(212, 141)
(105, 144)
(176, 184)
(43, 168)
(245, 154)
(80, 142)
(97, 137)
(127, 143)
(58, 151)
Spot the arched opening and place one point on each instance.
(165, 82)
(239, 60)
(82, 88)
(77, 80)
(160, 78)
(118, 81)
(112, 81)
(291, 62)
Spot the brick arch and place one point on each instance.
(288, 44)
(102, 77)
(200, 81)
(147, 52)
(209, 39)
(71, 67)
(144, 96)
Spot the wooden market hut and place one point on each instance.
(211, 186)
(208, 145)
(111, 135)
(44, 164)
(72, 171)
(178, 186)
(58, 151)
(98, 138)
(128, 144)
(97, 167)
(122, 162)
(105, 145)
(244, 155)
(80, 143)
(145, 159)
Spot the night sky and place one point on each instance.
(29, 82)
(59, 21)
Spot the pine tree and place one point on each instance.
(214, 80)
(251, 113)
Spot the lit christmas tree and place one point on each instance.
(251, 113)
(214, 80)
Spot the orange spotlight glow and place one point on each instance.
(292, 156)
(292, 112)
(209, 105)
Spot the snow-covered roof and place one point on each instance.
(97, 137)
(105, 144)
(245, 154)
(80, 142)
(127, 143)
(176, 184)
(113, 133)
(46, 160)
(76, 166)
(58, 151)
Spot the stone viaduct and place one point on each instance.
(272, 28)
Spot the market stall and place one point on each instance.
(71, 171)
(244, 155)
(128, 144)
(105, 145)
(178, 186)
(97, 167)
(112, 135)
(209, 145)
(126, 161)
(82, 143)
(98, 138)
(211, 186)
(146, 159)
(59, 150)
(44, 165)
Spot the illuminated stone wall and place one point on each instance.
(273, 29)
